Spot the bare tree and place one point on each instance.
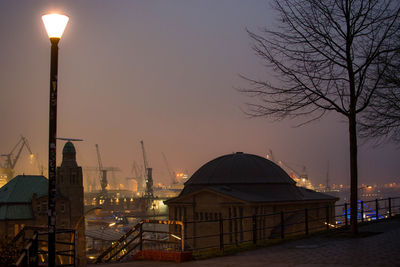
(324, 55)
(382, 118)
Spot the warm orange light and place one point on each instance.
(55, 24)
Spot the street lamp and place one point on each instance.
(55, 25)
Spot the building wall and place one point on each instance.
(10, 228)
(202, 212)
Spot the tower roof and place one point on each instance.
(69, 148)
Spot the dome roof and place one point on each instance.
(239, 168)
(69, 148)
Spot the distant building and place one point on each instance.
(24, 201)
(238, 185)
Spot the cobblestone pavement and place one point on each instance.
(382, 248)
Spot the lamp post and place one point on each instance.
(55, 25)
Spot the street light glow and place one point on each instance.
(55, 24)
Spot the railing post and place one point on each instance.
(76, 248)
(377, 209)
(27, 257)
(362, 210)
(35, 260)
(346, 222)
(141, 237)
(254, 229)
(327, 217)
(235, 226)
(390, 207)
(282, 225)
(183, 228)
(221, 233)
(306, 220)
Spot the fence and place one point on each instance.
(214, 233)
(219, 233)
(34, 249)
(145, 236)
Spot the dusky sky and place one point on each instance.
(164, 72)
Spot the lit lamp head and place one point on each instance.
(55, 25)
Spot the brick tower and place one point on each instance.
(70, 186)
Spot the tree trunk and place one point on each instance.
(353, 173)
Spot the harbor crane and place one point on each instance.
(149, 192)
(171, 174)
(300, 177)
(11, 160)
(137, 171)
(103, 173)
(270, 156)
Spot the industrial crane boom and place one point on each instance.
(170, 172)
(145, 164)
(10, 163)
(99, 158)
(149, 175)
(102, 173)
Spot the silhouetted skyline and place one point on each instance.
(164, 72)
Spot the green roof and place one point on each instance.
(16, 196)
(15, 211)
(22, 187)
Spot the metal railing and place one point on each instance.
(34, 247)
(228, 232)
(216, 232)
(220, 233)
(144, 237)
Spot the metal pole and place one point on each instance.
(141, 237)
(345, 214)
(282, 225)
(306, 220)
(35, 255)
(377, 209)
(254, 229)
(76, 258)
(390, 207)
(221, 233)
(362, 210)
(327, 217)
(52, 152)
(183, 229)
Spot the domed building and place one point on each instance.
(239, 186)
